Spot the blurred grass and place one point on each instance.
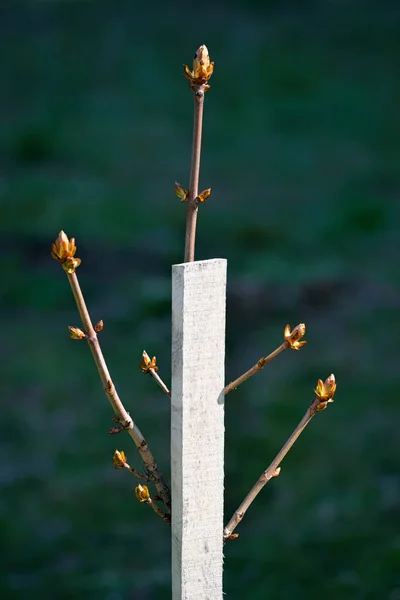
(301, 148)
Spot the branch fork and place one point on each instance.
(63, 251)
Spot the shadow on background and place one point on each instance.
(301, 148)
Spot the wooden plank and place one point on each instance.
(197, 428)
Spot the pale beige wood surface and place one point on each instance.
(197, 428)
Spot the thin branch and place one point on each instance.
(151, 467)
(273, 470)
(160, 382)
(150, 366)
(143, 495)
(291, 340)
(165, 516)
(198, 78)
(192, 205)
(120, 462)
(136, 473)
(260, 364)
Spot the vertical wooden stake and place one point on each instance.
(197, 428)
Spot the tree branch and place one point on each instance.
(150, 366)
(291, 340)
(160, 382)
(63, 251)
(325, 392)
(120, 462)
(115, 401)
(192, 205)
(202, 71)
(260, 364)
(143, 495)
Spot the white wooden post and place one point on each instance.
(197, 428)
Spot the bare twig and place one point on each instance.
(291, 340)
(120, 462)
(260, 364)
(136, 473)
(150, 366)
(143, 495)
(202, 71)
(109, 388)
(63, 250)
(325, 392)
(161, 513)
(160, 382)
(192, 205)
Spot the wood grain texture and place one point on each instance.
(197, 428)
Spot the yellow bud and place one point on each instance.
(99, 326)
(322, 406)
(63, 247)
(181, 192)
(70, 264)
(293, 338)
(75, 333)
(202, 68)
(326, 390)
(119, 459)
(148, 364)
(142, 493)
(201, 58)
(204, 195)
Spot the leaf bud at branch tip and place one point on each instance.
(292, 338)
(142, 493)
(63, 251)
(148, 364)
(202, 70)
(119, 459)
(325, 392)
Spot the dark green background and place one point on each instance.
(301, 148)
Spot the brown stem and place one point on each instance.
(192, 204)
(272, 471)
(165, 516)
(150, 464)
(160, 382)
(257, 367)
(137, 474)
